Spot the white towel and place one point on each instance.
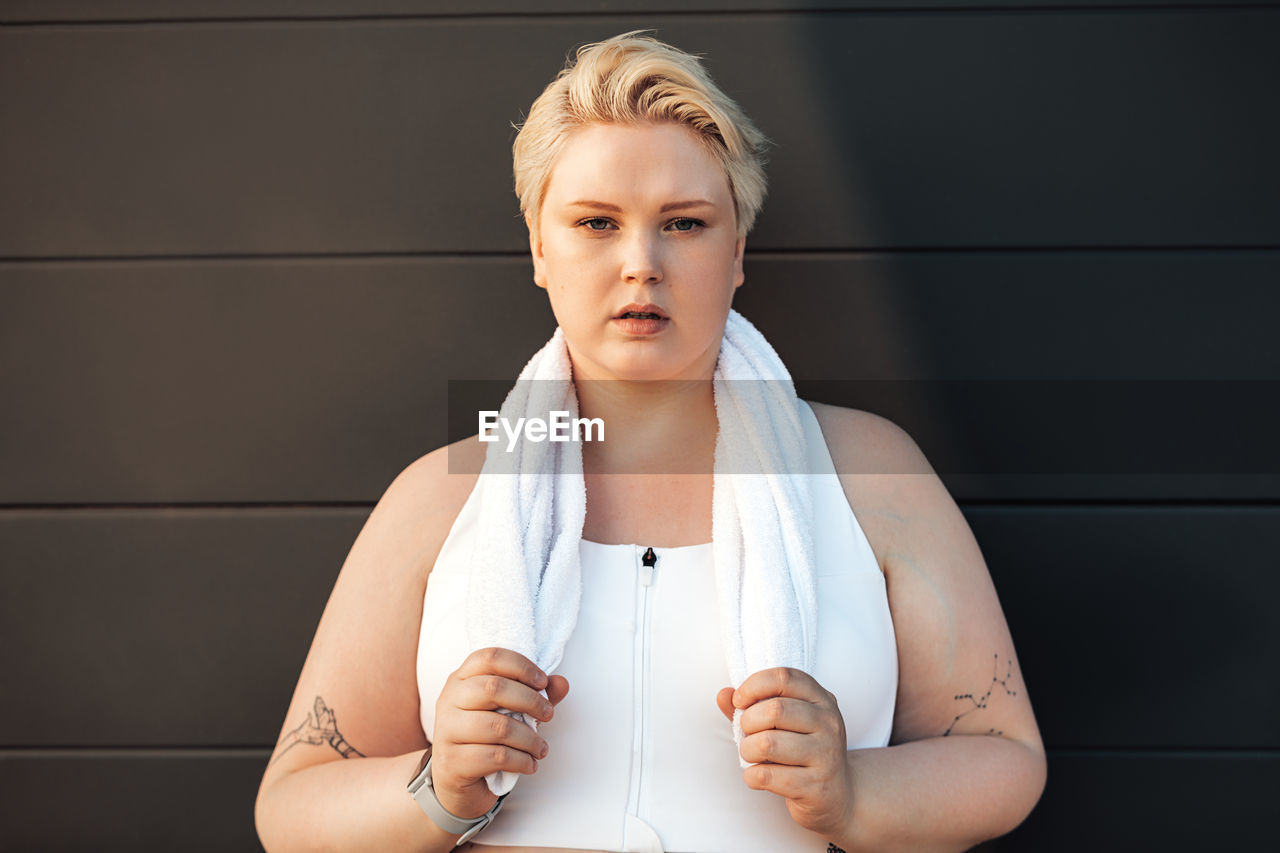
(526, 580)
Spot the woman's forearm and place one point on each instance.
(940, 794)
(356, 804)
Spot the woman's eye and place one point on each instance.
(596, 224)
(685, 224)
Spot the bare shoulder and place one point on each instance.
(863, 442)
(871, 454)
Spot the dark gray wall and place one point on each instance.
(244, 245)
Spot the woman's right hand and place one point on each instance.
(473, 740)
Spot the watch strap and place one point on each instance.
(424, 794)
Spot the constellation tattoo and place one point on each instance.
(319, 727)
(981, 702)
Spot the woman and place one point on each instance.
(906, 726)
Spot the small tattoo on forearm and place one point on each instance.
(319, 727)
(981, 701)
(831, 848)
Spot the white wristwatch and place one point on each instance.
(425, 796)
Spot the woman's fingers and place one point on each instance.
(459, 781)
(557, 688)
(473, 740)
(491, 692)
(495, 678)
(481, 728)
(779, 698)
(478, 760)
(794, 738)
(794, 715)
(503, 662)
(789, 782)
(724, 699)
(779, 681)
(776, 746)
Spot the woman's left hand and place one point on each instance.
(794, 732)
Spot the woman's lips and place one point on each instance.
(640, 326)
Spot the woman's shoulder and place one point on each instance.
(862, 442)
(424, 499)
(869, 453)
(443, 478)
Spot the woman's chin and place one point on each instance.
(639, 364)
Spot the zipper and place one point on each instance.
(640, 686)
(647, 561)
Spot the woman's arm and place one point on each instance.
(352, 739)
(940, 794)
(967, 763)
(356, 805)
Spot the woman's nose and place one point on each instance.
(642, 262)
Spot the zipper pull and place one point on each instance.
(648, 560)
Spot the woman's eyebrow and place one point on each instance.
(671, 205)
(598, 205)
(682, 205)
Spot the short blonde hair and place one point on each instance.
(634, 79)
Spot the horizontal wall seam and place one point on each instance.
(54, 752)
(520, 254)
(673, 12)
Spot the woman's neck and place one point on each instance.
(661, 427)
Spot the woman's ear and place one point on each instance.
(738, 275)
(535, 252)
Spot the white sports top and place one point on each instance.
(641, 758)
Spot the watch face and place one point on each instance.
(422, 765)
(420, 781)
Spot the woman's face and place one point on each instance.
(638, 219)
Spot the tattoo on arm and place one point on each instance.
(981, 701)
(319, 727)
